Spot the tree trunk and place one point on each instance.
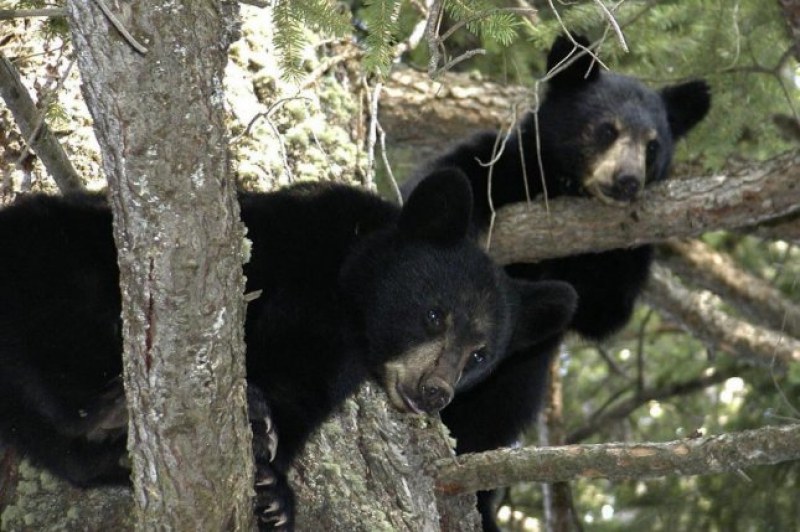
(159, 118)
(372, 468)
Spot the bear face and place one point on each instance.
(608, 135)
(454, 313)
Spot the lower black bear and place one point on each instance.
(600, 134)
(351, 287)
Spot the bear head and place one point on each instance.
(437, 315)
(608, 135)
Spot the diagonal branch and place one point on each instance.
(761, 302)
(28, 119)
(699, 314)
(700, 456)
(628, 406)
(681, 208)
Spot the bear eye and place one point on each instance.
(433, 321)
(606, 133)
(476, 358)
(652, 151)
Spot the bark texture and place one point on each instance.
(754, 297)
(159, 119)
(699, 314)
(372, 468)
(31, 124)
(679, 208)
(698, 456)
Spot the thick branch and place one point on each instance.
(699, 314)
(28, 118)
(760, 301)
(786, 228)
(701, 456)
(682, 208)
(386, 461)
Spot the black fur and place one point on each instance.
(347, 283)
(585, 112)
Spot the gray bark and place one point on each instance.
(690, 456)
(371, 468)
(678, 208)
(159, 119)
(30, 121)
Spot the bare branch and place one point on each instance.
(9, 14)
(700, 456)
(27, 116)
(685, 207)
(698, 313)
(602, 418)
(136, 45)
(759, 300)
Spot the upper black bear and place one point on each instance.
(350, 286)
(601, 134)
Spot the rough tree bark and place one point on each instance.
(159, 118)
(690, 456)
(30, 121)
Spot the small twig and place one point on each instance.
(613, 22)
(120, 28)
(326, 65)
(369, 180)
(432, 35)
(256, 3)
(395, 187)
(611, 362)
(640, 352)
(463, 57)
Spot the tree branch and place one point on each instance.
(599, 420)
(699, 314)
(9, 14)
(761, 302)
(28, 119)
(684, 207)
(616, 461)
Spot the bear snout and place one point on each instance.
(626, 187)
(435, 393)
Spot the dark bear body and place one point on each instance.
(603, 135)
(351, 286)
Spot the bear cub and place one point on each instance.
(352, 287)
(602, 135)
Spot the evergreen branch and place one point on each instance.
(381, 19)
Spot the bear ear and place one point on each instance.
(686, 105)
(439, 209)
(545, 309)
(584, 69)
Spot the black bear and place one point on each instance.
(600, 134)
(351, 287)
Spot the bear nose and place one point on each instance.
(436, 394)
(626, 187)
